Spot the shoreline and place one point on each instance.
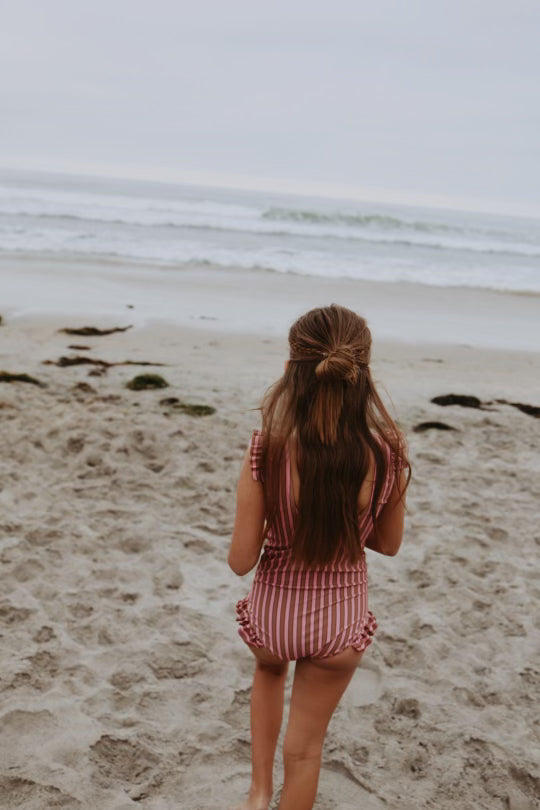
(264, 302)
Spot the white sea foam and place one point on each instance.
(175, 226)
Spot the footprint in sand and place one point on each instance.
(408, 707)
(21, 733)
(365, 688)
(124, 679)
(418, 762)
(27, 570)
(400, 652)
(9, 614)
(25, 794)
(239, 709)
(168, 578)
(340, 778)
(128, 761)
(528, 784)
(134, 545)
(44, 634)
(183, 662)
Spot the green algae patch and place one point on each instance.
(190, 408)
(143, 382)
(195, 409)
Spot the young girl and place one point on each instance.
(323, 480)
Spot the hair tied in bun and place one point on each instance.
(339, 363)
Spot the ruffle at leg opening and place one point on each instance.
(246, 631)
(365, 636)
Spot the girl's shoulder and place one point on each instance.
(256, 444)
(395, 446)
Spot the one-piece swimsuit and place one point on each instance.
(296, 611)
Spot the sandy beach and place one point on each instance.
(123, 681)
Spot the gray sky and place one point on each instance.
(418, 101)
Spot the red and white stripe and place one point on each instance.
(298, 612)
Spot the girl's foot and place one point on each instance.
(254, 802)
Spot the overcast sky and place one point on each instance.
(391, 98)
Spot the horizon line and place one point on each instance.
(293, 187)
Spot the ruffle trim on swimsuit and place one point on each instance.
(364, 638)
(246, 631)
(359, 641)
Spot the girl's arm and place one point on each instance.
(248, 532)
(388, 530)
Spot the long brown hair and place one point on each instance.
(327, 405)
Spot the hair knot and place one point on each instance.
(339, 363)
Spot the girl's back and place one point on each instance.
(297, 610)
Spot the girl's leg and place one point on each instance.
(266, 715)
(317, 688)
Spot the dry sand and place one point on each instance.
(124, 683)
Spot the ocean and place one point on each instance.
(177, 226)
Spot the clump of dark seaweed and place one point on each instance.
(8, 377)
(194, 409)
(78, 360)
(144, 381)
(84, 360)
(423, 426)
(530, 410)
(189, 408)
(465, 400)
(84, 388)
(93, 331)
(469, 401)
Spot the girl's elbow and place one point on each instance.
(239, 567)
(389, 545)
(390, 549)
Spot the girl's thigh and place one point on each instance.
(318, 686)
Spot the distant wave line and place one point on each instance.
(354, 220)
(293, 215)
(399, 242)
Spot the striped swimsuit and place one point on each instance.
(298, 612)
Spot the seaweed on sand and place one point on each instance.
(465, 400)
(93, 331)
(423, 426)
(144, 381)
(80, 360)
(8, 377)
(189, 408)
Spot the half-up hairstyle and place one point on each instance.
(326, 405)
